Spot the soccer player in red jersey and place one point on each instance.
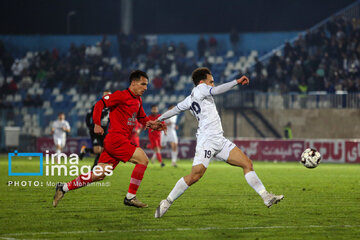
(125, 107)
(135, 139)
(155, 136)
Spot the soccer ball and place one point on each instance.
(310, 158)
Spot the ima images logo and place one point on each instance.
(56, 165)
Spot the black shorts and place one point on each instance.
(96, 139)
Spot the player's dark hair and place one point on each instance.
(60, 113)
(200, 74)
(137, 74)
(154, 105)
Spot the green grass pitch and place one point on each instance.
(321, 203)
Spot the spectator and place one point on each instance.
(201, 47)
(288, 131)
(157, 82)
(38, 101)
(212, 45)
(303, 88)
(28, 101)
(234, 40)
(105, 46)
(17, 69)
(181, 50)
(26, 81)
(351, 87)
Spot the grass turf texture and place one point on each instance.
(319, 203)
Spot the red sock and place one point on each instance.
(158, 155)
(80, 181)
(136, 177)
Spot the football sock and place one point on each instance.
(153, 157)
(80, 181)
(178, 190)
(158, 155)
(95, 161)
(65, 188)
(255, 183)
(130, 195)
(57, 155)
(136, 177)
(174, 156)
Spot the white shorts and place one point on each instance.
(169, 138)
(209, 147)
(60, 141)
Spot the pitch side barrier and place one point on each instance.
(332, 150)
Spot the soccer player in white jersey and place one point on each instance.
(171, 137)
(58, 130)
(210, 140)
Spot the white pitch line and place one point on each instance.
(179, 230)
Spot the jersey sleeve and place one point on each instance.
(206, 90)
(109, 101)
(141, 116)
(113, 99)
(67, 125)
(180, 107)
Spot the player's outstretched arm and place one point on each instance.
(228, 86)
(180, 107)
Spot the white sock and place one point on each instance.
(153, 156)
(178, 190)
(65, 188)
(174, 156)
(255, 183)
(57, 154)
(130, 195)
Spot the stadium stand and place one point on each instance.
(38, 85)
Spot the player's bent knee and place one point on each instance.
(145, 161)
(248, 166)
(139, 157)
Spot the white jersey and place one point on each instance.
(202, 106)
(58, 128)
(171, 136)
(171, 123)
(210, 140)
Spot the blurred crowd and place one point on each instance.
(326, 59)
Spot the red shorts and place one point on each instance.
(154, 142)
(116, 148)
(135, 140)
